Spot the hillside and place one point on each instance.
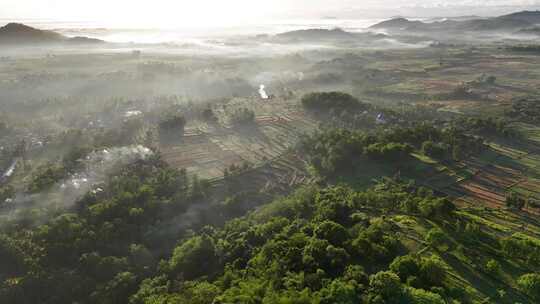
(511, 22)
(325, 35)
(317, 34)
(17, 33)
(526, 16)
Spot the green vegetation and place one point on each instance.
(338, 151)
(242, 117)
(514, 200)
(330, 101)
(172, 126)
(525, 48)
(408, 176)
(526, 110)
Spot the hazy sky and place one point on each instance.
(234, 12)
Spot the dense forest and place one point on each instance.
(319, 245)
(322, 244)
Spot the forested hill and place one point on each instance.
(393, 243)
(21, 34)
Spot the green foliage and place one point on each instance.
(521, 247)
(194, 258)
(339, 151)
(420, 296)
(489, 126)
(325, 101)
(405, 267)
(385, 287)
(46, 177)
(493, 267)
(333, 232)
(436, 237)
(437, 208)
(526, 110)
(530, 284)
(389, 152)
(338, 292)
(434, 150)
(515, 201)
(432, 271)
(320, 245)
(242, 117)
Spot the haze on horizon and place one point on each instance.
(211, 13)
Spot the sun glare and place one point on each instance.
(157, 13)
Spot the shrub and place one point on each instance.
(493, 267)
(242, 117)
(515, 201)
(530, 284)
(324, 101)
(432, 149)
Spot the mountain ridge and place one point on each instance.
(18, 33)
(510, 22)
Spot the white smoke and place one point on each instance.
(96, 167)
(99, 163)
(262, 92)
(129, 114)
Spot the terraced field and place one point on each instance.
(500, 170)
(208, 151)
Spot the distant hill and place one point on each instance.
(532, 17)
(316, 34)
(20, 34)
(511, 22)
(321, 35)
(397, 23)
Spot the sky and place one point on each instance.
(187, 13)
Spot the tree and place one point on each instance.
(338, 292)
(530, 284)
(389, 152)
(457, 152)
(385, 287)
(405, 266)
(436, 237)
(432, 271)
(172, 126)
(242, 117)
(325, 101)
(493, 267)
(117, 290)
(332, 232)
(195, 257)
(432, 149)
(420, 296)
(437, 208)
(515, 201)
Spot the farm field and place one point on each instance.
(208, 151)
(498, 171)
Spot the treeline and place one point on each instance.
(524, 48)
(342, 110)
(525, 110)
(328, 101)
(336, 151)
(490, 126)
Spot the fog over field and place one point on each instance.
(220, 152)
